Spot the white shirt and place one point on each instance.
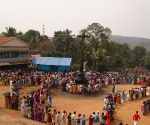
(11, 83)
(73, 118)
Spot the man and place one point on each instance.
(74, 118)
(58, 118)
(64, 117)
(97, 118)
(54, 117)
(93, 116)
(136, 117)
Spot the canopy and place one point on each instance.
(52, 61)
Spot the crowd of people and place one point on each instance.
(37, 105)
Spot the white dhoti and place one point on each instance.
(135, 122)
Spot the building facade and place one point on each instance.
(13, 51)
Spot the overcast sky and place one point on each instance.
(123, 17)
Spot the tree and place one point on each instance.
(33, 38)
(10, 31)
(98, 32)
(138, 55)
(62, 41)
(97, 45)
(46, 47)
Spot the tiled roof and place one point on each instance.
(4, 39)
(137, 69)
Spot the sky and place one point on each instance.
(123, 17)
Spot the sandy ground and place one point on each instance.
(79, 103)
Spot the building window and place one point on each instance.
(23, 54)
(5, 54)
(14, 54)
(1, 54)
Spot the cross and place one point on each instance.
(83, 36)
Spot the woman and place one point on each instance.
(42, 115)
(69, 119)
(83, 119)
(118, 98)
(12, 101)
(123, 96)
(49, 100)
(39, 115)
(35, 97)
(115, 99)
(78, 119)
(36, 113)
(91, 120)
(16, 102)
(23, 109)
(6, 101)
(49, 118)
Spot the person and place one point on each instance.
(74, 118)
(42, 115)
(64, 117)
(6, 101)
(115, 99)
(58, 118)
(49, 118)
(108, 120)
(120, 123)
(90, 120)
(54, 117)
(69, 119)
(36, 113)
(123, 96)
(83, 119)
(23, 109)
(49, 100)
(97, 118)
(136, 117)
(143, 108)
(78, 119)
(39, 115)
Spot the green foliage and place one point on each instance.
(100, 53)
(75, 67)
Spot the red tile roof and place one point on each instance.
(4, 39)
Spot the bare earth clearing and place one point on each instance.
(79, 103)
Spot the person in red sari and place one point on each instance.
(49, 118)
(108, 120)
(115, 99)
(12, 101)
(91, 120)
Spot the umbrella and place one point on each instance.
(6, 93)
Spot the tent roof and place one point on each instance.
(52, 61)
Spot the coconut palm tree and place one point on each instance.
(10, 31)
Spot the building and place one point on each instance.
(138, 70)
(13, 51)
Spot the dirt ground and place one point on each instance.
(79, 103)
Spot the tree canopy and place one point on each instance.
(101, 54)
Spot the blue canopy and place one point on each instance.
(52, 61)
